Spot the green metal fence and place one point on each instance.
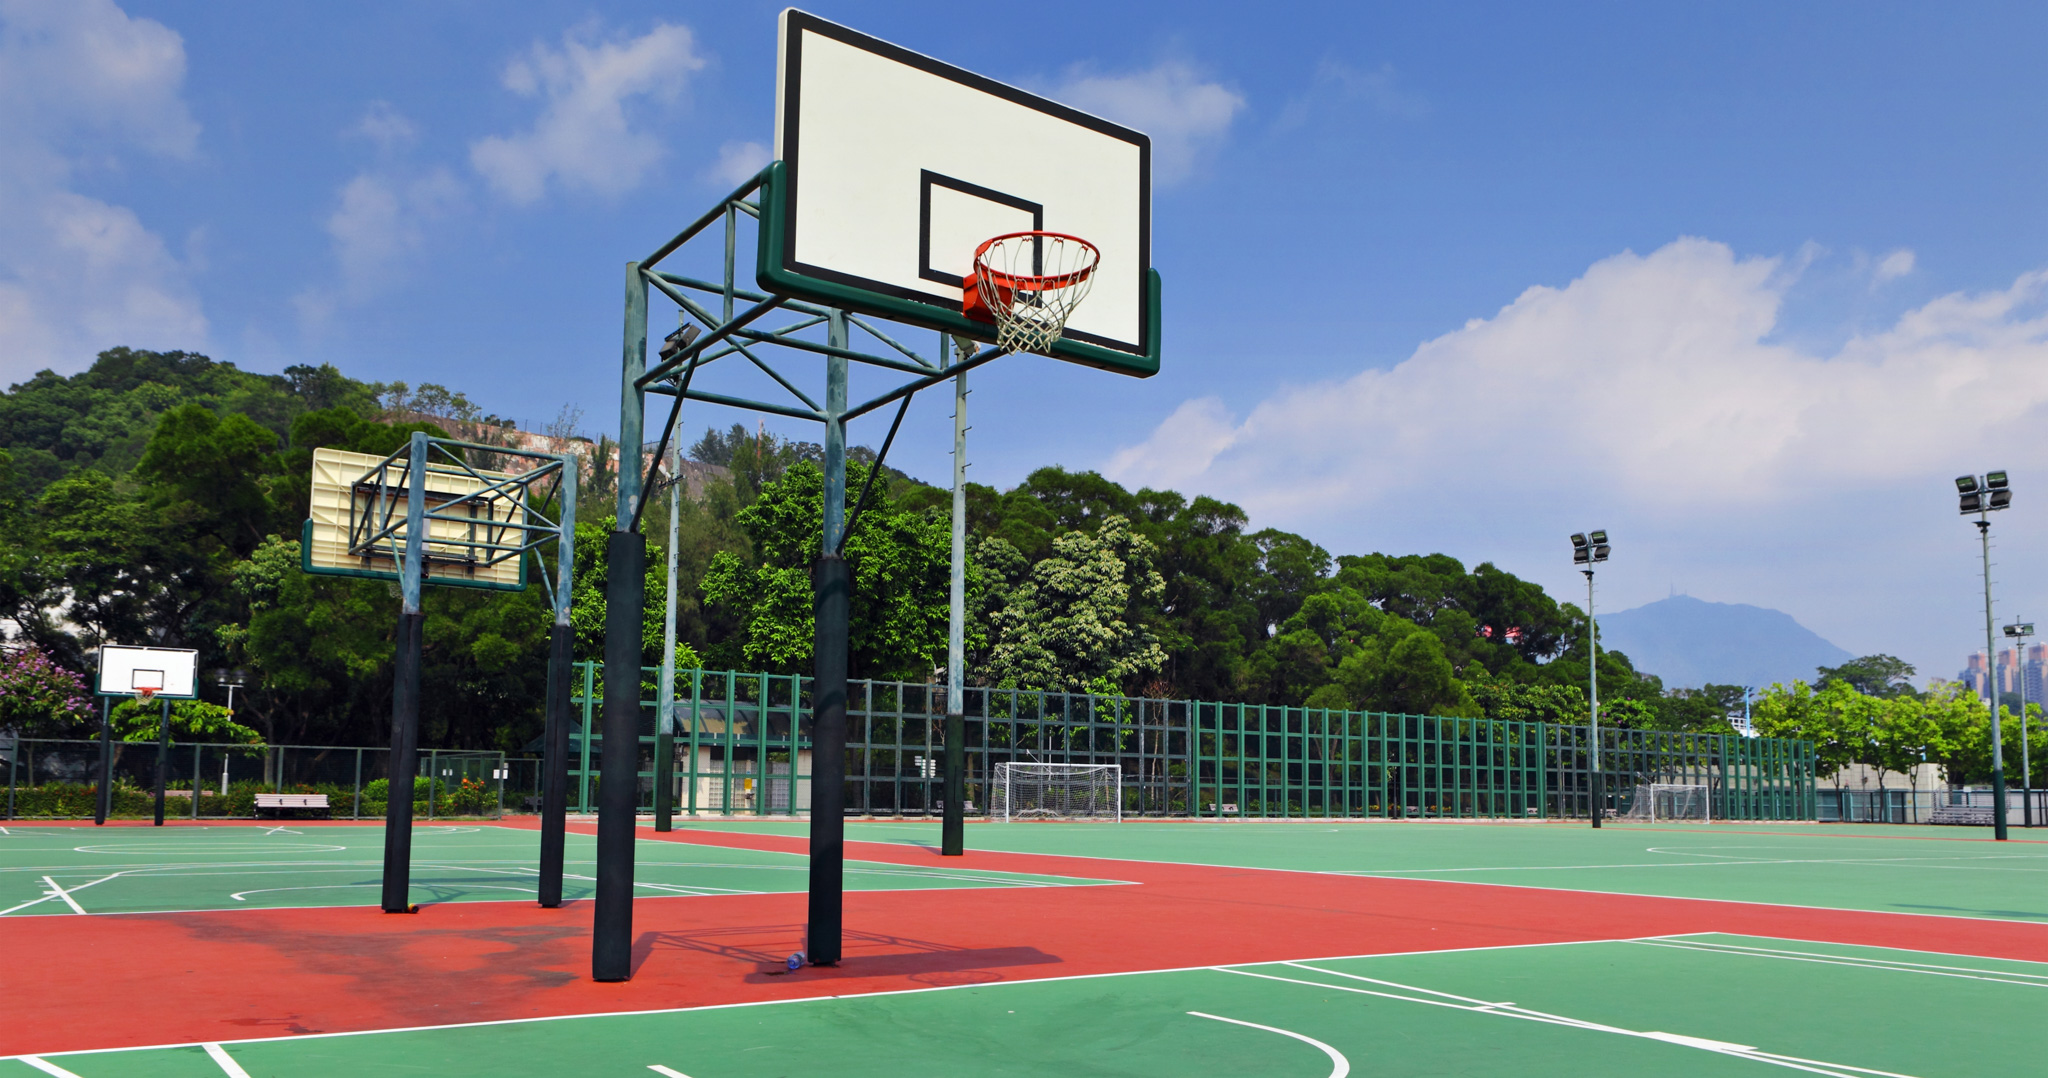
(742, 745)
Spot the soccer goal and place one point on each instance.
(1058, 792)
(1671, 801)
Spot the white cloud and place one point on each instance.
(1340, 84)
(1651, 396)
(84, 85)
(739, 161)
(1186, 114)
(387, 127)
(377, 229)
(1894, 266)
(586, 138)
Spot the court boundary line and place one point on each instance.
(835, 996)
(1359, 874)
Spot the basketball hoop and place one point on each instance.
(1028, 283)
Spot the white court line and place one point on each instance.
(659, 1069)
(227, 1062)
(46, 1066)
(1339, 1066)
(1844, 960)
(59, 892)
(280, 829)
(801, 999)
(1509, 1010)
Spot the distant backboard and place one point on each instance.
(171, 673)
(358, 495)
(895, 166)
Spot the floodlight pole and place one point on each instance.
(2019, 631)
(832, 609)
(1991, 687)
(618, 795)
(665, 693)
(953, 828)
(554, 783)
(1593, 691)
(405, 689)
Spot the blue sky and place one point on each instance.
(1746, 284)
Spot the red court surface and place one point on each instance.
(242, 974)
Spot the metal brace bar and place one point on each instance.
(742, 402)
(873, 470)
(668, 367)
(926, 382)
(738, 195)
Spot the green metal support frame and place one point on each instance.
(395, 526)
(743, 322)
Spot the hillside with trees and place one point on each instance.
(157, 497)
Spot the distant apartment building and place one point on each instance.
(2011, 671)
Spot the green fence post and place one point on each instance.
(583, 774)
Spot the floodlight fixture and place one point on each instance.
(1994, 480)
(1966, 484)
(673, 344)
(2000, 498)
(2020, 629)
(1972, 503)
(1597, 537)
(1982, 497)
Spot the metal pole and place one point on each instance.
(1991, 688)
(195, 783)
(104, 803)
(665, 697)
(163, 759)
(952, 831)
(405, 690)
(2019, 669)
(618, 792)
(554, 780)
(832, 609)
(1593, 689)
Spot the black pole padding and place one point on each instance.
(953, 826)
(554, 778)
(618, 791)
(832, 598)
(664, 777)
(1599, 796)
(104, 803)
(163, 759)
(405, 763)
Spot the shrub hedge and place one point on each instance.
(58, 800)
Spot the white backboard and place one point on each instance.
(899, 165)
(126, 671)
(341, 500)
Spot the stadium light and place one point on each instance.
(2019, 631)
(1588, 549)
(1982, 497)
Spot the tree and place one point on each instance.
(1904, 736)
(1401, 668)
(1871, 675)
(1065, 627)
(900, 564)
(192, 720)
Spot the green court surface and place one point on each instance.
(1945, 871)
(70, 870)
(1684, 1005)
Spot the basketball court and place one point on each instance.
(1134, 948)
(920, 220)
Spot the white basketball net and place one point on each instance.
(1030, 282)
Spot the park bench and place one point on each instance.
(278, 803)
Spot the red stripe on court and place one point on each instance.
(99, 982)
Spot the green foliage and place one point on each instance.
(1066, 625)
(1871, 675)
(898, 559)
(191, 720)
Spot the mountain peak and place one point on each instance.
(1691, 642)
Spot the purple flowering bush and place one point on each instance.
(38, 697)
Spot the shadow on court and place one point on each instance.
(867, 954)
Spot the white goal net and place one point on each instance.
(1671, 801)
(1058, 792)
